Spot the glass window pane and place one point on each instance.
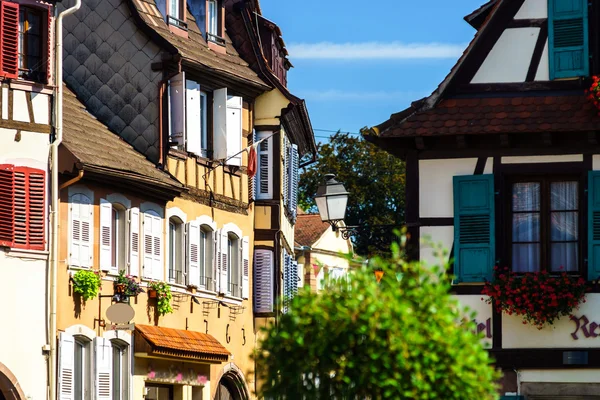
(117, 372)
(526, 257)
(526, 196)
(564, 226)
(526, 227)
(564, 255)
(35, 25)
(564, 196)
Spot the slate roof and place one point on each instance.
(96, 148)
(309, 228)
(482, 115)
(195, 48)
(182, 343)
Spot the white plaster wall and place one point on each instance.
(483, 311)
(431, 237)
(533, 9)
(543, 72)
(596, 162)
(542, 159)
(4, 103)
(435, 184)
(32, 146)
(23, 330)
(332, 241)
(41, 108)
(20, 108)
(517, 335)
(560, 375)
(510, 57)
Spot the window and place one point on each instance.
(82, 368)
(206, 259)
(113, 243)
(568, 38)
(545, 225)
(176, 15)
(120, 371)
(176, 272)
(213, 28)
(290, 280)
(290, 176)
(24, 51)
(22, 207)
(233, 266)
(264, 178)
(153, 267)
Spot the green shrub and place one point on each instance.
(403, 338)
(163, 297)
(87, 284)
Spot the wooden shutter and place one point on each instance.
(245, 267)
(9, 40)
(106, 236)
(193, 253)
(224, 245)
(265, 169)
(134, 241)
(593, 225)
(193, 119)
(474, 239)
(568, 38)
(177, 110)
(220, 124)
(263, 280)
(158, 267)
(286, 172)
(7, 205)
(290, 280)
(294, 180)
(36, 235)
(81, 231)
(252, 181)
(234, 130)
(66, 365)
(103, 358)
(148, 243)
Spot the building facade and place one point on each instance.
(502, 164)
(26, 77)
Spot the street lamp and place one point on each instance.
(332, 199)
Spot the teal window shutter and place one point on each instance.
(568, 38)
(593, 225)
(474, 239)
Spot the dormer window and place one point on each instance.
(176, 15)
(213, 23)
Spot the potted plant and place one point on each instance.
(540, 298)
(593, 93)
(127, 285)
(87, 283)
(192, 288)
(163, 296)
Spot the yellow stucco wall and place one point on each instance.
(268, 108)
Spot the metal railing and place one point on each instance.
(208, 283)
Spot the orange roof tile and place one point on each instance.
(309, 228)
(182, 343)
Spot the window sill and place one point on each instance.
(31, 86)
(227, 298)
(28, 254)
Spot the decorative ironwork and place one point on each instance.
(380, 236)
(235, 310)
(208, 305)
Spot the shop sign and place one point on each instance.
(583, 327)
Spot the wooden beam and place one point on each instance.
(516, 87)
(461, 141)
(547, 139)
(504, 140)
(592, 138)
(537, 52)
(527, 23)
(420, 143)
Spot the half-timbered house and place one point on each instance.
(503, 168)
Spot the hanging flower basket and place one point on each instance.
(593, 93)
(120, 288)
(540, 298)
(152, 294)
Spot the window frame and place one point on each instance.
(179, 20)
(545, 235)
(234, 270)
(123, 350)
(119, 238)
(23, 46)
(215, 23)
(175, 250)
(206, 250)
(83, 344)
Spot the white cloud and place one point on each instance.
(372, 96)
(374, 50)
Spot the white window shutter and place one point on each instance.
(103, 359)
(148, 242)
(294, 180)
(75, 224)
(106, 236)
(177, 109)
(86, 243)
(193, 119)
(220, 124)
(224, 243)
(286, 170)
(265, 167)
(134, 240)
(193, 253)
(245, 267)
(158, 267)
(66, 365)
(234, 130)
(263, 281)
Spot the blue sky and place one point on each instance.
(357, 62)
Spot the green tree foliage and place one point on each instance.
(404, 338)
(374, 178)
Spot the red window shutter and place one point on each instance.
(29, 231)
(7, 205)
(9, 37)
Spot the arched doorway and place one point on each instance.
(231, 387)
(9, 387)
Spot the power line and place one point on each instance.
(339, 131)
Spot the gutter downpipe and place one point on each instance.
(58, 115)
